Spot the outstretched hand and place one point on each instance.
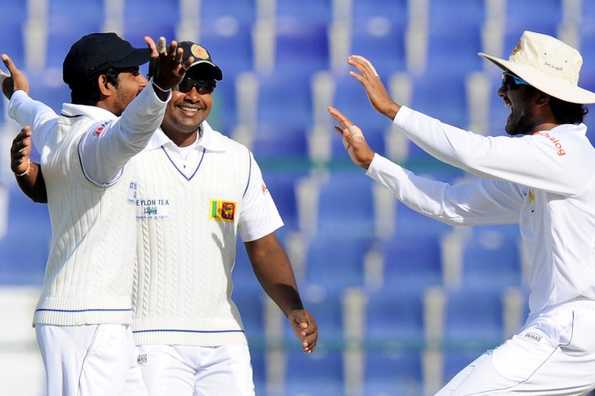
(305, 327)
(353, 139)
(14, 81)
(373, 85)
(167, 65)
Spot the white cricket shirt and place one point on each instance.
(545, 182)
(192, 204)
(88, 278)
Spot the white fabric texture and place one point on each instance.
(90, 360)
(545, 178)
(88, 277)
(183, 370)
(554, 354)
(186, 249)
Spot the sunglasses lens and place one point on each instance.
(203, 87)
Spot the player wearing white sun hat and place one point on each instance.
(540, 177)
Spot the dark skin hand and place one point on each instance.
(273, 270)
(31, 182)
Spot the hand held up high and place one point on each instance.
(373, 85)
(167, 63)
(15, 80)
(353, 140)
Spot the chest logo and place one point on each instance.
(222, 210)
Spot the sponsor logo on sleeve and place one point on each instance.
(221, 210)
(557, 144)
(99, 129)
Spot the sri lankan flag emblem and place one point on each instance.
(222, 210)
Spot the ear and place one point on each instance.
(106, 89)
(542, 99)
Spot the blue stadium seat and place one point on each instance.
(258, 363)
(394, 318)
(394, 11)
(319, 373)
(279, 143)
(49, 88)
(301, 48)
(284, 102)
(223, 113)
(393, 372)
(336, 262)
(22, 259)
(230, 45)
(473, 319)
(521, 16)
(383, 43)
(160, 19)
(350, 97)
(281, 185)
(250, 303)
(309, 12)
(14, 46)
(346, 206)
(491, 258)
(442, 98)
(229, 11)
(446, 16)
(243, 274)
(67, 22)
(412, 262)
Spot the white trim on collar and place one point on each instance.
(73, 110)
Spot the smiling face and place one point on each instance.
(519, 97)
(187, 110)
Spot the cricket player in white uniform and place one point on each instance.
(82, 320)
(541, 178)
(196, 192)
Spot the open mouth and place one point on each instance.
(189, 110)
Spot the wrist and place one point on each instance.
(391, 110)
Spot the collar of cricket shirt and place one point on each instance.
(209, 140)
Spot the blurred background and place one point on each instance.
(402, 302)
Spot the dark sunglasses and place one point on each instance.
(203, 87)
(512, 81)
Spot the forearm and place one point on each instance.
(273, 270)
(33, 184)
(473, 202)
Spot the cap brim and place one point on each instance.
(556, 87)
(139, 56)
(205, 69)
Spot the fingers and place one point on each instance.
(337, 115)
(9, 64)
(151, 44)
(162, 46)
(22, 141)
(363, 64)
(188, 62)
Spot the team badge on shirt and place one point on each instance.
(222, 210)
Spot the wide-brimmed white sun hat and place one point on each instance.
(547, 64)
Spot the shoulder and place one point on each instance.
(229, 146)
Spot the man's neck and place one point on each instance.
(182, 139)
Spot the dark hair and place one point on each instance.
(566, 112)
(88, 93)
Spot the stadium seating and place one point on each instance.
(393, 343)
(393, 372)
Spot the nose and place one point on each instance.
(502, 90)
(192, 95)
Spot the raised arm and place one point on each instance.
(479, 201)
(27, 173)
(109, 144)
(540, 161)
(24, 110)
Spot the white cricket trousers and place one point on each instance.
(554, 354)
(90, 360)
(185, 370)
